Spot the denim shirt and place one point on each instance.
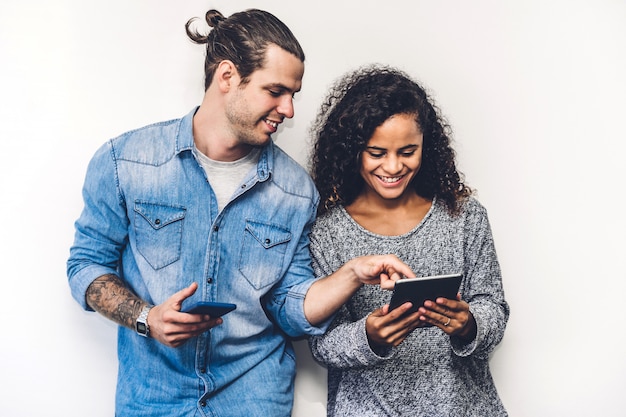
(150, 216)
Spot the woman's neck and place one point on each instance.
(389, 217)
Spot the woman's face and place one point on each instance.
(392, 157)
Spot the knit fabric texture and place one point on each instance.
(429, 373)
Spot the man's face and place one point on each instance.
(255, 109)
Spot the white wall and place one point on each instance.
(534, 90)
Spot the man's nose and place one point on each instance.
(286, 107)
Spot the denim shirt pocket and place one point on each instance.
(263, 252)
(159, 230)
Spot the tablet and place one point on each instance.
(211, 308)
(418, 290)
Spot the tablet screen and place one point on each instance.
(418, 290)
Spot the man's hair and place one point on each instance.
(242, 39)
(356, 105)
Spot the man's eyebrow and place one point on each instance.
(282, 87)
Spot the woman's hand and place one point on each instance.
(451, 316)
(385, 328)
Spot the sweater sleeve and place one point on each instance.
(345, 345)
(483, 289)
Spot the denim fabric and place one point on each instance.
(151, 217)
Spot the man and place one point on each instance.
(207, 208)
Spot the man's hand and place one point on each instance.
(109, 296)
(380, 269)
(173, 328)
(327, 294)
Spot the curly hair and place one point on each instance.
(356, 105)
(242, 39)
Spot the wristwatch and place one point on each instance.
(141, 325)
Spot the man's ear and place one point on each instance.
(226, 76)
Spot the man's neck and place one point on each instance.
(212, 138)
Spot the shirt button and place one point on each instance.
(267, 241)
(157, 221)
(202, 370)
(209, 280)
(202, 403)
(216, 228)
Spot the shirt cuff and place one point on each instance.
(80, 281)
(294, 313)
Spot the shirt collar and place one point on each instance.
(184, 142)
(184, 137)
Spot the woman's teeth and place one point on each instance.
(390, 179)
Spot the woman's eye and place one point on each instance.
(376, 154)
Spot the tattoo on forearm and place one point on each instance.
(110, 297)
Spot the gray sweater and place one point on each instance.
(430, 373)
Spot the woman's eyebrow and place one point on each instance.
(378, 148)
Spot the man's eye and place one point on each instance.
(274, 93)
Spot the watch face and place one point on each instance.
(142, 328)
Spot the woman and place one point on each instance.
(386, 173)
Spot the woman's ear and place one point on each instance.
(226, 76)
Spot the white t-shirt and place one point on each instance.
(226, 177)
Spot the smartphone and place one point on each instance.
(213, 309)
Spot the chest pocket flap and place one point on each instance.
(267, 234)
(158, 232)
(159, 216)
(263, 253)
